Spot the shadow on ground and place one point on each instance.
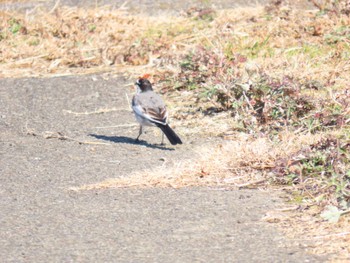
(128, 140)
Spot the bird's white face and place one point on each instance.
(137, 85)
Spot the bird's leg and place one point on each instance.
(162, 143)
(140, 132)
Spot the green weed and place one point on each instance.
(15, 26)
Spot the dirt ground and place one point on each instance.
(63, 132)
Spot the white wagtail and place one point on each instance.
(150, 110)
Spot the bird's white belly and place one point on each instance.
(143, 121)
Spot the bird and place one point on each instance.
(150, 110)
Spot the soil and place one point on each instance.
(63, 132)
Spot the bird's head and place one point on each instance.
(143, 84)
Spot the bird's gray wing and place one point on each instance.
(150, 106)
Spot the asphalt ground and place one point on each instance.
(43, 123)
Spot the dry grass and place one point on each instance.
(71, 40)
(242, 162)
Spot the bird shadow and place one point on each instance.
(128, 140)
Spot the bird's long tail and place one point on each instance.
(170, 134)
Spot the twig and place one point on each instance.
(246, 98)
(128, 100)
(28, 59)
(240, 186)
(93, 112)
(333, 235)
(288, 208)
(231, 179)
(123, 6)
(60, 136)
(117, 126)
(316, 4)
(88, 142)
(55, 6)
(345, 212)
